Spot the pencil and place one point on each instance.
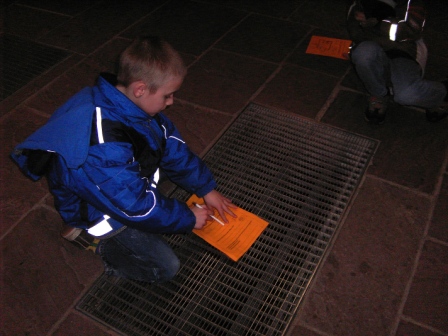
(216, 219)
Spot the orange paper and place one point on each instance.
(327, 46)
(235, 237)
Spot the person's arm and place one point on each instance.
(410, 27)
(182, 166)
(223, 205)
(356, 20)
(130, 198)
(187, 170)
(362, 27)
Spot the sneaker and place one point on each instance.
(376, 111)
(80, 238)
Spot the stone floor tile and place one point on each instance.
(327, 14)
(439, 227)
(361, 284)
(264, 37)
(427, 300)
(92, 28)
(224, 81)
(77, 324)
(42, 274)
(83, 74)
(279, 8)
(301, 331)
(297, 90)
(185, 118)
(191, 27)
(16, 199)
(31, 23)
(439, 15)
(352, 81)
(65, 86)
(404, 129)
(411, 329)
(436, 67)
(359, 288)
(107, 56)
(64, 7)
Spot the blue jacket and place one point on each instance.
(107, 158)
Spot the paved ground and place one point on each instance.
(387, 271)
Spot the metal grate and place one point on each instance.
(23, 61)
(296, 174)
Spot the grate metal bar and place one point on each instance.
(25, 60)
(299, 176)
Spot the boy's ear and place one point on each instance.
(139, 88)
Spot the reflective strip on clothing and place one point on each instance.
(155, 178)
(101, 228)
(393, 32)
(99, 125)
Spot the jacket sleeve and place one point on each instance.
(368, 28)
(128, 197)
(182, 166)
(355, 30)
(410, 26)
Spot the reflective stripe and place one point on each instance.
(172, 137)
(393, 31)
(101, 228)
(99, 126)
(155, 178)
(407, 10)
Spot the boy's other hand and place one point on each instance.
(215, 200)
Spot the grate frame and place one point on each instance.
(298, 175)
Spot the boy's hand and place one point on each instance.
(202, 215)
(217, 201)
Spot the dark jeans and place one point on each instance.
(138, 255)
(375, 70)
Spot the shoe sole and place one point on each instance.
(72, 234)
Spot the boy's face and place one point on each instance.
(154, 102)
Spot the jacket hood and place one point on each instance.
(67, 132)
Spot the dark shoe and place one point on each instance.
(80, 238)
(437, 114)
(445, 82)
(376, 111)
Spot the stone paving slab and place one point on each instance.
(387, 272)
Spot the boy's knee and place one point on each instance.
(169, 270)
(172, 268)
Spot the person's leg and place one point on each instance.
(372, 66)
(411, 89)
(138, 255)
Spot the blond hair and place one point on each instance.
(151, 60)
